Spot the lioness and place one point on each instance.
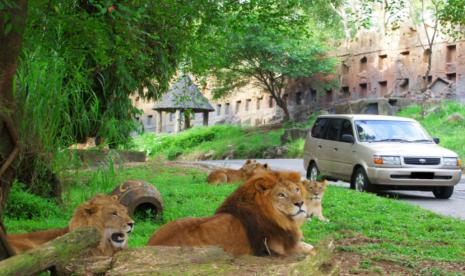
(103, 212)
(262, 217)
(229, 175)
(316, 191)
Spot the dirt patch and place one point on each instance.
(352, 263)
(202, 167)
(356, 240)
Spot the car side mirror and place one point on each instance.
(436, 140)
(347, 138)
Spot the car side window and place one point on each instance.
(346, 129)
(319, 128)
(334, 129)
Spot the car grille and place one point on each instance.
(421, 161)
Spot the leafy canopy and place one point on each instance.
(268, 42)
(96, 54)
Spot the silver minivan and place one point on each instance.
(374, 152)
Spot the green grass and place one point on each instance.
(451, 133)
(388, 229)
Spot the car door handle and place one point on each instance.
(335, 149)
(319, 146)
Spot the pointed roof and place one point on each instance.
(182, 95)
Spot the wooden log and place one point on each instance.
(57, 252)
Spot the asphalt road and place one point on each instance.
(454, 206)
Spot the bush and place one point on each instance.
(24, 205)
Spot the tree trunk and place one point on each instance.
(283, 105)
(57, 252)
(12, 25)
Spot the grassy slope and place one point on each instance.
(251, 142)
(452, 134)
(247, 142)
(395, 230)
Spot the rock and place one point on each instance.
(455, 117)
(434, 109)
(208, 155)
(275, 152)
(322, 112)
(381, 106)
(229, 154)
(293, 134)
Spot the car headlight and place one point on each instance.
(386, 160)
(451, 162)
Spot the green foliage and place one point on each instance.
(171, 146)
(23, 205)
(41, 85)
(81, 61)
(269, 42)
(107, 51)
(450, 133)
(296, 148)
(452, 15)
(247, 142)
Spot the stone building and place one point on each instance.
(375, 73)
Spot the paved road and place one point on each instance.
(454, 206)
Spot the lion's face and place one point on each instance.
(315, 189)
(110, 217)
(282, 195)
(288, 200)
(252, 167)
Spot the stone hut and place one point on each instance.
(183, 98)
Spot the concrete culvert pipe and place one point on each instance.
(141, 198)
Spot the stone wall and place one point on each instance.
(371, 67)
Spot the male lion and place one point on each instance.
(250, 168)
(262, 217)
(316, 191)
(105, 213)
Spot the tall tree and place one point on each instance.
(13, 16)
(80, 62)
(268, 42)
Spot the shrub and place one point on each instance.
(24, 205)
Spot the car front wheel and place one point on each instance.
(312, 172)
(443, 192)
(360, 181)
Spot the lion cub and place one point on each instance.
(316, 190)
(244, 173)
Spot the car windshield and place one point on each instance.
(390, 131)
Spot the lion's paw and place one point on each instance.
(305, 248)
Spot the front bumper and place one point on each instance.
(414, 176)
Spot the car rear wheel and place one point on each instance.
(443, 192)
(312, 172)
(360, 181)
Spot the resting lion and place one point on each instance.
(247, 170)
(316, 191)
(103, 212)
(262, 217)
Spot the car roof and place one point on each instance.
(366, 117)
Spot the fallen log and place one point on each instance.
(57, 252)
